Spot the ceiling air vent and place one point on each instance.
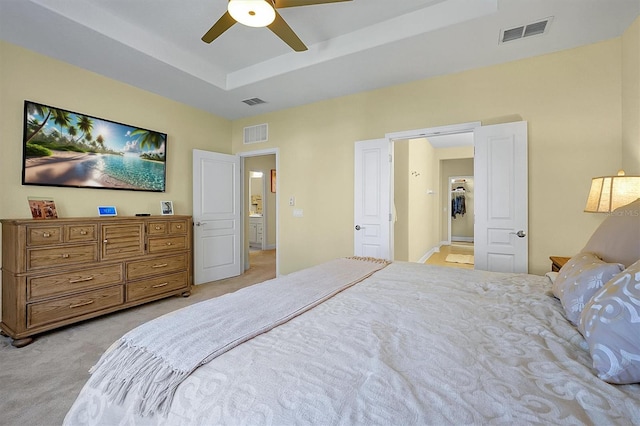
(254, 101)
(535, 28)
(256, 134)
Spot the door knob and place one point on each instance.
(520, 233)
(358, 227)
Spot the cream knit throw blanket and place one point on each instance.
(149, 362)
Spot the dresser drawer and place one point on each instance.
(160, 245)
(71, 282)
(73, 306)
(157, 228)
(38, 258)
(148, 288)
(44, 235)
(80, 233)
(178, 227)
(162, 265)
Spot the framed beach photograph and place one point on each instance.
(42, 208)
(70, 149)
(166, 207)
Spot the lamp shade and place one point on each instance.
(253, 13)
(610, 192)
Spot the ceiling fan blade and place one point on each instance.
(223, 24)
(294, 3)
(284, 31)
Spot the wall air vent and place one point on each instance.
(254, 101)
(256, 134)
(532, 29)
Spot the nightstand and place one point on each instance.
(558, 262)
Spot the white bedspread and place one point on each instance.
(413, 344)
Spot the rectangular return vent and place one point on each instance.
(535, 28)
(254, 101)
(256, 134)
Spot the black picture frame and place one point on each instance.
(69, 149)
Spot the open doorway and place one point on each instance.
(260, 211)
(422, 193)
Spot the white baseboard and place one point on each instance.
(463, 239)
(428, 254)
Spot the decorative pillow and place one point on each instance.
(617, 239)
(611, 325)
(579, 279)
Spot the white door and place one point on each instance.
(216, 216)
(501, 198)
(372, 199)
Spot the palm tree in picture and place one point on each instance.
(153, 140)
(85, 125)
(100, 141)
(42, 111)
(61, 118)
(73, 132)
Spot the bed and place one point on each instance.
(407, 343)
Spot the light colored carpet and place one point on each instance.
(460, 258)
(38, 383)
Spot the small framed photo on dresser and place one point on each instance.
(166, 207)
(42, 208)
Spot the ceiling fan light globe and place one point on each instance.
(253, 13)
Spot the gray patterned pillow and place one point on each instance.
(611, 325)
(579, 279)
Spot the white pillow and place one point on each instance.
(611, 325)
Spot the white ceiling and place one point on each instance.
(353, 46)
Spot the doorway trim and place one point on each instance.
(244, 213)
(416, 134)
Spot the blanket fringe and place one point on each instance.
(125, 367)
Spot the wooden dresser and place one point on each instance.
(61, 271)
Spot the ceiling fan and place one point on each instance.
(262, 13)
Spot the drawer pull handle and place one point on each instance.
(157, 228)
(169, 244)
(65, 255)
(179, 226)
(77, 305)
(160, 285)
(80, 280)
(83, 232)
(105, 241)
(46, 234)
(162, 265)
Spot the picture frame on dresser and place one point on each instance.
(42, 208)
(166, 208)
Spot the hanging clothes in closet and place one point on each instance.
(458, 206)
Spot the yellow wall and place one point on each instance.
(423, 208)
(571, 100)
(631, 99)
(401, 178)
